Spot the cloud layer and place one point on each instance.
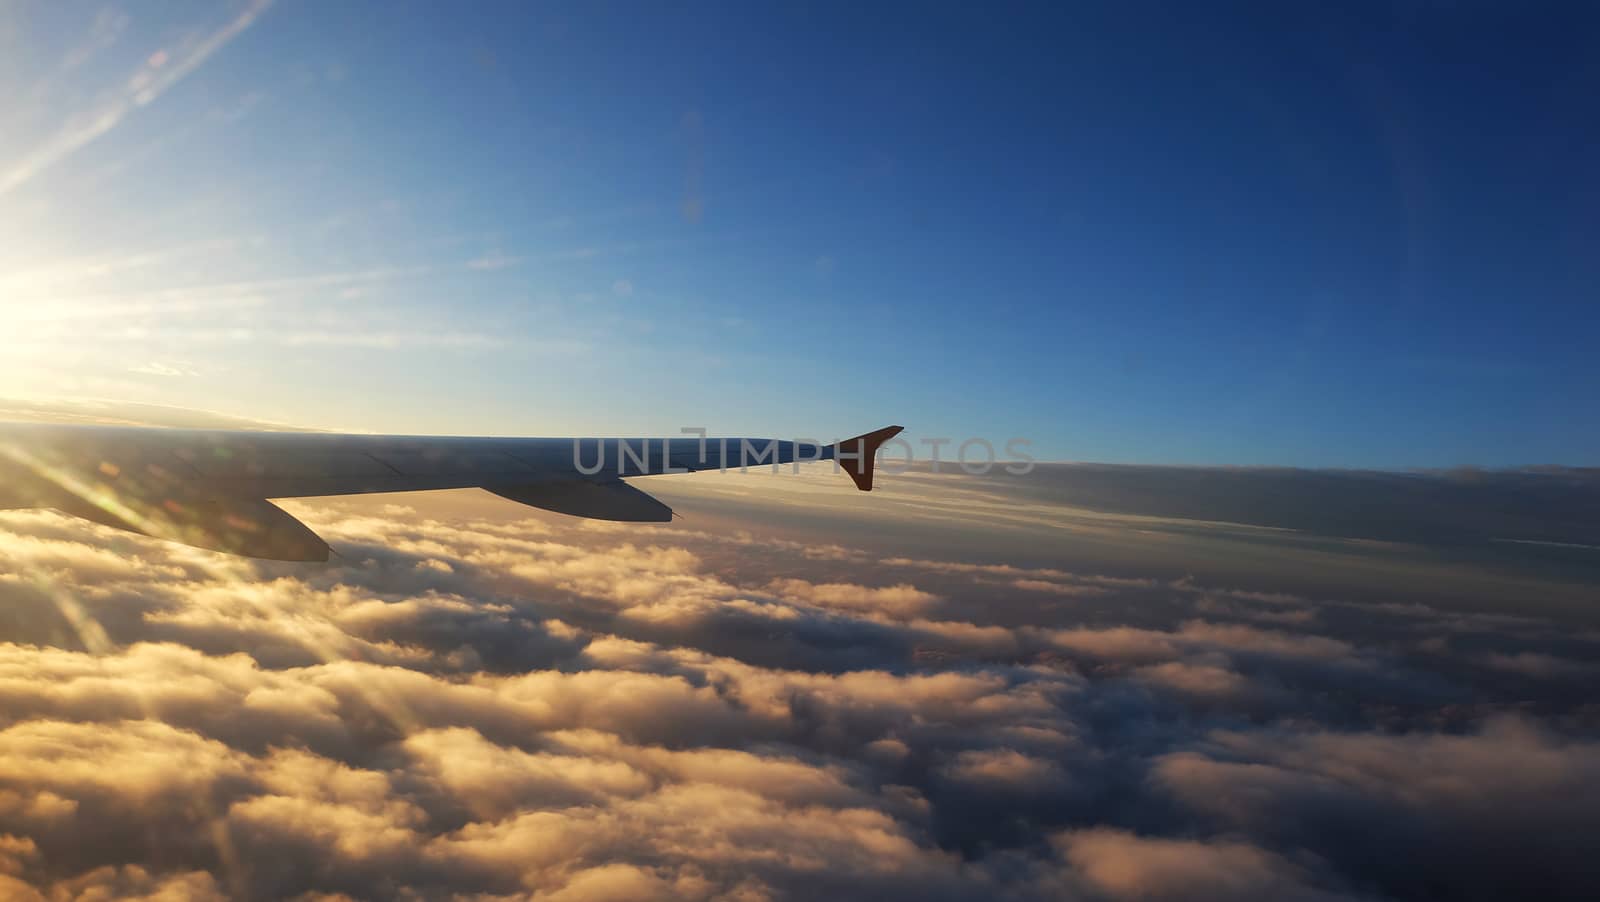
(473, 705)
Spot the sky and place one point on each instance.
(1334, 235)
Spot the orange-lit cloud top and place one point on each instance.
(480, 704)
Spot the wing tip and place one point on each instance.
(858, 456)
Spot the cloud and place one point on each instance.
(1534, 664)
(1005, 770)
(481, 703)
(104, 31)
(160, 71)
(1119, 643)
(157, 368)
(899, 600)
(1505, 809)
(129, 882)
(1428, 507)
(1199, 680)
(492, 261)
(387, 340)
(1122, 865)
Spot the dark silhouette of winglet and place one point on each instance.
(857, 455)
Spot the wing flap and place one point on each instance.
(253, 527)
(594, 500)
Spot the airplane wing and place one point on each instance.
(210, 488)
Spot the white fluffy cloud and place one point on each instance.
(485, 708)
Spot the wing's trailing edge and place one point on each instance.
(209, 488)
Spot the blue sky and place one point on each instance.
(1365, 235)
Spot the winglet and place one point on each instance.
(857, 455)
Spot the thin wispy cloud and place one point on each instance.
(493, 261)
(158, 74)
(158, 368)
(389, 340)
(201, 296)
(108, 26)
